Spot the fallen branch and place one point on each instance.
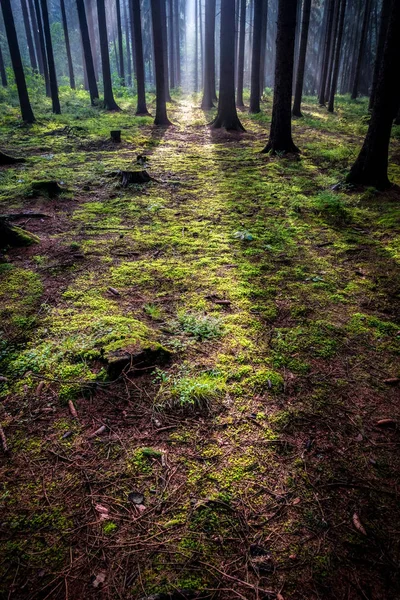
(3, 441)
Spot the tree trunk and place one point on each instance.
(90, 10)
(177, 42)
(302, 59)
(13, 236)
(28, 32)
(3, 73)
(256, 58)
(120, 44)
(209, 59)
(50, 59)
(371, 165)
(159, 63)
(196, 45)
(332, 50)
(327, 49)
(263, 52)
(164, 34)
(67, 45)
(36, 36)
(172, 68)
(227, 115)
(242, 42)
(26, 109)
(42, 47)
(280, 138)
(128, 47)
(385, 14)
(361, 47)
(140, 74)
(89, 64)
(109, 102)
(335, 74)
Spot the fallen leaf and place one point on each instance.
(103, 512)
(358, 525)
(99, 579)
(72, 409)
(296, 501)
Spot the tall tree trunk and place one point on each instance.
(3, 73)
(327, 49)
(201, 41)
(28, 32)
(36, 36)
(26, 109)
(371, 166)
(159, 63)
(120, 44)
(256, 58)
(140, 74)
(209, 59)
(164, 34)
(50, 59)
(227, 116)
(177, 27)
(90, 16)
(280, 138)
(128, 47)
(42, 47)
(67, 45)
(263, 52)
(302, 59)
(109, 102)
(332, 51)
(171, 23)
(242, 42)
(338, 48)
(385, 14)
(89, 64)
(196, 46)
(367, 11)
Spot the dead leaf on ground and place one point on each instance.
(358, 525)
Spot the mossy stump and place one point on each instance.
(15, 236)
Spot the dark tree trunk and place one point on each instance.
(42, 47)
(385, 14)
(332, 51)
(256, 58)
(397, 119)
(336, 59)
(327, 49)
(240, 68)
(109, 102)
(209, 59)
(90, 10)
(302, 59)
(165, 48)
(28, 32)
(177, 42)
(140, 77)
(159, 63)
(227, 115)
(67, 45)
(280, 138)
(196, 46)
(26, 109)
(201, 40)
(36, 36)
(367, 11)
(3, 73)
(264, 28)
(50, 59)
(120, 44)
(371, 166)
(128, 47)
(172, 68)
(89, 65)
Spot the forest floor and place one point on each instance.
(253, 463)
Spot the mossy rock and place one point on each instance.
(138, 359)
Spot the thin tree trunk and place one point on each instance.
(227, 116)
(89, 64)
(42, 47)
(302, 59)
(164, 34)
(371, 166)
(332, 51)
(201, 41)
(280, 138)
(36, 36)
(209, 59)
(385, 14)
(67, 45)
(140, 73)
(172, 66)
(89, 7)
(327, 48)
(196, 46)
(128, 47)
(263, 52)
(256, 58)
(29, 39)
(3, 73)
(120, 44)
(26, 109)
(159, 63)
(361, 47)
(338, 48)
(109, 101)
(242, 42)
(177, 42)
(50, 59)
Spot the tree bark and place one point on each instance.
(50, 59)
(242, 42)
(67, 45)
(332, 50)
(26, 109)
(302, 59)
(159, 63)
(140, 73)
(128, 47)
(385, 14)
(196, 45)
(209, 58)
(172, 69)
(87, 50)
(36, 36)
(177, 42)
(120, 44)
(43, 47)
(263, 46)
(327, 49)
(3, 73)
(336, 60)
(361, 47)
(256, 58)
(280, 138)
(371, 165)
(164, 34)
(29, 39)
(227, 116)
(109, 102)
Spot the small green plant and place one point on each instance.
(201, 327)
(109, 527)
(331, 205)
(192, 392)
(152, 311)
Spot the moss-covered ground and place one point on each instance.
(244, 465)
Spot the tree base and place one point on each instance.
(46, 188)
(142, 113)
(162, 123)
(5, 159)
(297, 113)
(272, 148)
(231, 123)
(362, 178)
(15, 236)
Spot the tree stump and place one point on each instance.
(47, 188)
(116, 135)
(13, 236)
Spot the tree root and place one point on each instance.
(15, 236)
